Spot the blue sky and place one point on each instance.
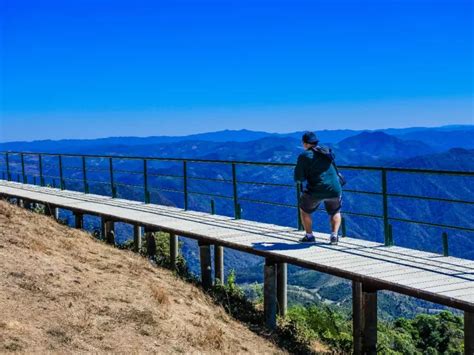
(95, 68)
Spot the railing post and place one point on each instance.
(112, 185)
(390, 235)
(185, 184)
(269, 293)
(7, 162)
(206, 267)
(25, 180)
(219, 264)
(40, 162)
(234, 188)
(84, 175)
(468, 333)
(145, 181)
(61, 177)
(282, 288)
(385, 207)
(445, 244)
(239, 211)
(298, 212)
(343, 227)
(174, 251)
(213, 207)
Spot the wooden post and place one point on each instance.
(206, 268)
(269, 293)
(282, 288)
(137, 238)
(150, 244)
(78, 220)
(27, 204)
(219, 264)
(51, 210)
(369, 339)
(357, 317)
(108, 233)
(468, 333)
(174, 251)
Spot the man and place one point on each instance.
(323, 185)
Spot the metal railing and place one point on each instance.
(38, 168)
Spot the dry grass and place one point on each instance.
(61, 292)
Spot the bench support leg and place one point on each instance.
(206, 267)
(282, 288)
(108, 232)
(357, 317)
(174, 251)
(468, 333)
(51, 210)
(269, 293)
(219, 264)
(137, 238)
(150, 244)
(369, 297)
(78, 220)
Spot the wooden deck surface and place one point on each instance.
(429, 276)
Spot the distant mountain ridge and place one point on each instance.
(439, 138)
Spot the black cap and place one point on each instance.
(310, 138)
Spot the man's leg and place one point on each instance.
(307, 221)
(335, 221)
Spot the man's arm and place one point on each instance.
(300, 170)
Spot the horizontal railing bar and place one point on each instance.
(267, 202)
(72, 168)
(209, 179)
(211, 195)
(164, 189)
(362, 214)
(128, 172)
(97, 170)
(265, 184)
(98, 182)
(430, 198)
(364, 192)
(128, 185)
(431, 224)
(71, 179)
(166, 175)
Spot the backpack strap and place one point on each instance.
(327, 152)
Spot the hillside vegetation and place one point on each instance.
(62, 291)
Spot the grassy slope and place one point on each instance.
(62, 291)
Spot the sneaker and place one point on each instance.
(308, 239)
(334, 239)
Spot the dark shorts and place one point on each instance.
(309, 204)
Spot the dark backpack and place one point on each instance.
(327, 152)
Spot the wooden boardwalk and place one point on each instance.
(433, 277)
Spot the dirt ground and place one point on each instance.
(61, 291)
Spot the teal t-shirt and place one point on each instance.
(319, 173)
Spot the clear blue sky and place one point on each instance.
(95, 68)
